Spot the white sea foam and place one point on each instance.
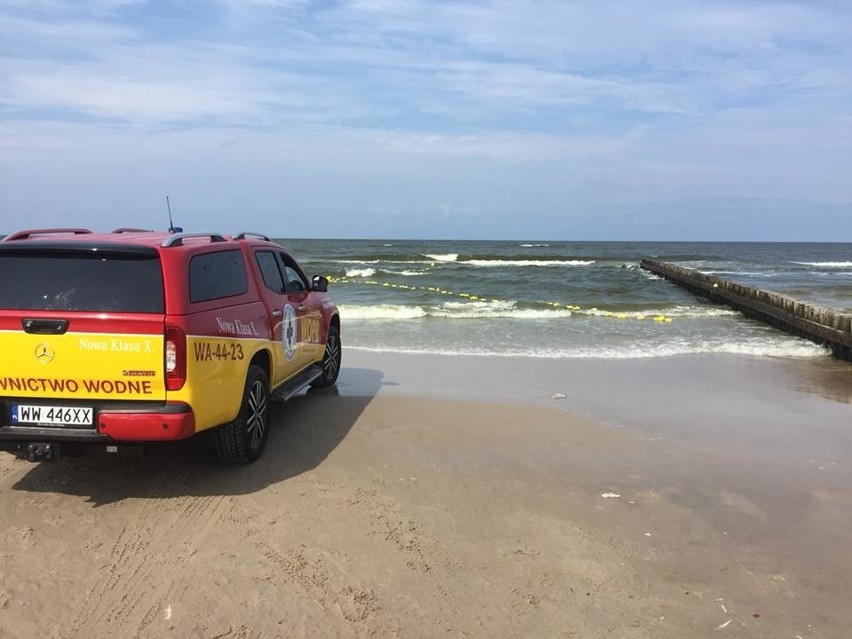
(383, 263)
(677, 311)
(542, 245)
(503, 263)
(450, 311)
(409, 273)
(507, 309)
(495, 309)
(442, 257)
(746, 273)
(826, 264)
(356, 261)
(360, 272)
(485, 305)
(789, 348)
(380, 312)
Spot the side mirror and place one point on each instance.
(319, 284)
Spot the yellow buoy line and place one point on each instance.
(594, 312)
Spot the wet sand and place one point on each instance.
(431, 496)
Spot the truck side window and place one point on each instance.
(296, 282)
(269, 271)
(216, 275)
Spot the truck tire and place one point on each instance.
(331, 360)
(243, 440)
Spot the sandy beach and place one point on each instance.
(463, 497)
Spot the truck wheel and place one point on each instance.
(242, 441)
(331, 360)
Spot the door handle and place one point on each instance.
(276, 313)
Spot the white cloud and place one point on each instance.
(49, 36)
(580, 102)
(367, 60)
(132, 101)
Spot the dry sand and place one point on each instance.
(390, 511)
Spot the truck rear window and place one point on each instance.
(80, 281)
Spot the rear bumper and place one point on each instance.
(148, 427)
(116, 423)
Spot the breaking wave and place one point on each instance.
(677, 311)
(510, 309)
(360, 272)
(493, 263)
(826, 264)
(782, 349)
(381, 312)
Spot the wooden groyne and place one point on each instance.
(821, 325)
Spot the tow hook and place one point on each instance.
(40, 452)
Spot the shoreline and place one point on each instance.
(423, 499)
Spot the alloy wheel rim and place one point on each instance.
(256, 419)
(332, 360)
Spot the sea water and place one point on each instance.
(565, 299)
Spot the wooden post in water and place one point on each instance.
(821, 325)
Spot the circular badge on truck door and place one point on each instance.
(288, 332)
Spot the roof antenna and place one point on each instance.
(172, 227)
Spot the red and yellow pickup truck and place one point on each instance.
(139, 336)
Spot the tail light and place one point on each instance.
(175, 358)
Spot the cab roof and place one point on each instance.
(123, 237)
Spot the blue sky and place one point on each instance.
(659, 119)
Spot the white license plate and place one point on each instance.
(52, 415)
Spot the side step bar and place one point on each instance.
(289, 388)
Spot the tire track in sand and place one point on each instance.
(324, 581)
(130, 585)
